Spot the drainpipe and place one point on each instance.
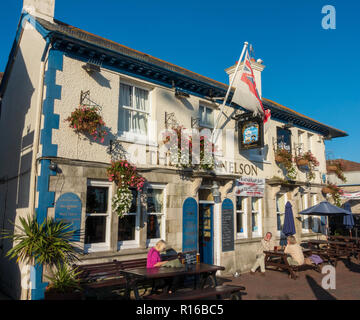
(36, 142)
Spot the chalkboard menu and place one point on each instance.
(68, 209)
(190, 258)
(227, 225)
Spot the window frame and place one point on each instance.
(258, 232)
(206, 125)
(152, 242)
(102, 246)
(244, 211)
(133, 136)
(278, 212)
(132, 244)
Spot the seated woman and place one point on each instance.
(153, 257)
(295, 251)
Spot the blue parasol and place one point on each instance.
(289, 225)
(348, 220)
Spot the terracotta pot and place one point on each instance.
(326, 190)
(51, 295)
(302, 162)
(279, 159)
(332, 168)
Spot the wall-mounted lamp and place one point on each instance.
(181, 94)
(215, 192)
(91, 68)
(53, 166)
(288, 125)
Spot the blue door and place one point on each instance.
(190, 225)
(206, 234)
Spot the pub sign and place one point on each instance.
(251, 131)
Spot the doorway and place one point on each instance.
(206, 233)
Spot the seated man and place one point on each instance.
(266, 244)
(295, 251)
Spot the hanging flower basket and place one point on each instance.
(125, 177)
(332, 168)
(302, 162)
(87, 120)
(326, 190)
(279, 159)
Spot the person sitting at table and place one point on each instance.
(266, 244)
(295, 251)
(153, 257)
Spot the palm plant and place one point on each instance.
(64, 279)
(47, 243)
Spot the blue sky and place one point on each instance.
(309, 69)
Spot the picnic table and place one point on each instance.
(278, 259)
(331, 251)
(135, 277)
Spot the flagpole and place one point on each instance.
(229, 89)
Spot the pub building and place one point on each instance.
(49, 169)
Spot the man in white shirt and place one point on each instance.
(266, 244)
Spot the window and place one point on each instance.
(206, 116)
(256, 217)
(98, 210)
(310, 140)
(300, 142)
(284, 139)
(127, 229)
(155, 214)
(281, 199)
(315, 226)
(241, 217)
(305, 220)
(133, 110)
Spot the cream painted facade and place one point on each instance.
(82, 161)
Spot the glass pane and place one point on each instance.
(95, 229)
(154, 200)
(239, 222)
(126, 229)
(254, 204)
(201, 114)
(280, 221)
(141, 99)
(139, 122)
(280, 203)
(97, 200)
(284, 139)
(239, 203)
(209, 117)
(254, 221)
(133, 208)
(125, 95)
(153, 226)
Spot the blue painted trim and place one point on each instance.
(51, 121)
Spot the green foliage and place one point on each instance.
(64, 279)
(46, 243)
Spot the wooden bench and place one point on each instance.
(218, 292)
(279, 261)
(108, 274)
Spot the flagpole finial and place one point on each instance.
(246, 43)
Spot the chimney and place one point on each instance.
(257, 67)
(44, 9)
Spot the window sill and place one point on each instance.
(137, 139)
(96, 248)
(127, 245)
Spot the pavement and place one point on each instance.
(276, 285)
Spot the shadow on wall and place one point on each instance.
(15, 165)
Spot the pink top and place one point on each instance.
(153, 258)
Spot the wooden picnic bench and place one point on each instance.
(278, 259)
(109, 274)
(217, 292)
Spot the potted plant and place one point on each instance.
(46, 244)
(87, 120)
(64, 284)
(125, 176)
(307, 160)
(338, 169)
(334, 191)
(285, 158)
